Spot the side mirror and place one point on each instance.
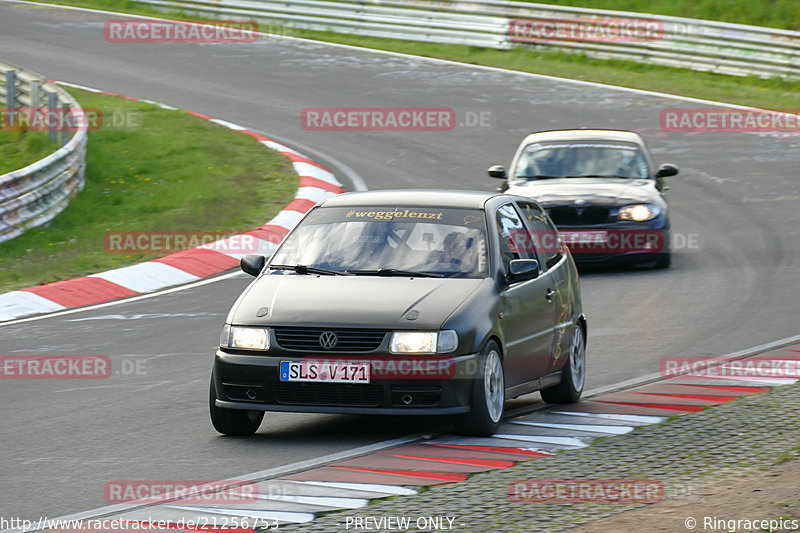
(497, 171)
(666, 170)
(522, 270)
(253, 264)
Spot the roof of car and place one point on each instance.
(584, 135)
(405, 197)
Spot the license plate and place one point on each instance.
(584, 238)
(327, 371)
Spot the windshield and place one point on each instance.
(551, 160)
(389, 241)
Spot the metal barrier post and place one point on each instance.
(52, 109)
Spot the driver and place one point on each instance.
(456, 248)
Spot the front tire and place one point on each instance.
(573, 375)
(232, 421)
(487, 397)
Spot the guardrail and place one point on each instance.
(34, 195)
(735, 49)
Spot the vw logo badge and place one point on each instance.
(580, 201)
(328, 340)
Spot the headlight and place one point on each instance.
(423, 341)
(244, 338)
(639, 213)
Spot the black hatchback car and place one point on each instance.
(401, 303)
(601, 189)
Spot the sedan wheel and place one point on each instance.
(232, 421)
(487, 398)
(573, 375)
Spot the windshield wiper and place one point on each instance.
(395, 272)
(540, 177)
(305, 269)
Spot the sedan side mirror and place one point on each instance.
(498, 171)
(522, 270)
(253, 264)
(666, 170)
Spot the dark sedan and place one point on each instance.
(601, 189)
(401, 303)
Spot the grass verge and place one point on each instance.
(751, 91)
(19, 149)
(159, 170)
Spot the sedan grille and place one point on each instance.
(331, 394)
(330, 340)
(578, 216)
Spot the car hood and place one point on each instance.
(594, 191)
(355, 301)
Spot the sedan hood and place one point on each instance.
(606, 192)
(354, 301)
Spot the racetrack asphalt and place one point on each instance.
(64, 440)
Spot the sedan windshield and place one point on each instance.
(388, 241)
(575, 160)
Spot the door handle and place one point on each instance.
(549, 295)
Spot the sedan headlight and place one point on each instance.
(244, 338)
(423, 341)
(639, 213)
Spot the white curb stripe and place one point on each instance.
(313, 171)
(314, 194)
(368, 487)
(611, 430)
(640, 419)
(227, 124)
(20, 303)
(287, 219)
(322, 501)
(146, 277)
(281, 148)
(573, 442)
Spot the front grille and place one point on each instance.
(347, 340)
(337, 394)
(578, 216)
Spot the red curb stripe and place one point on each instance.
(489, 463)
(296, 158)
(498, 449)
(258, 136)
(200, 262)
(438, 476)
(300, 204)
(687, 408)
(81, 291)
(195, 113)
(704, 398)
(746, 390)
(308, 181)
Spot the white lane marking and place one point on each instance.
(322, 501)
(636, 419)
(146, 277)
(389, 490)
(283, 516)
(611, 430)
(82, 87)
(574, 442)
(11, 303)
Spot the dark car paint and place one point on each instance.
(480, 310)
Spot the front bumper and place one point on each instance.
(623, 244)
(251, 382)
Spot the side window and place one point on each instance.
(515, 240)
(551, 245)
